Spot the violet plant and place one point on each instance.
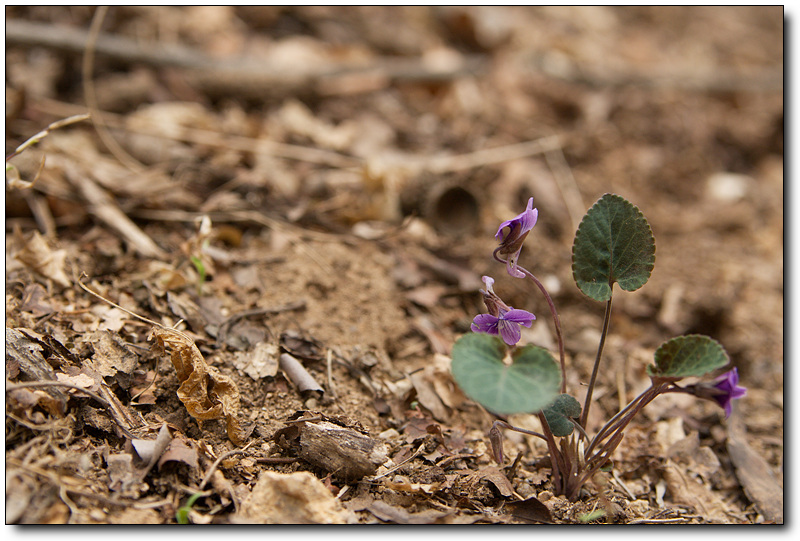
(613, 245)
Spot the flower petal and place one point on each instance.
(485, 323)
(521, 317)
(509, 332)
(519, 225)
(728, 387)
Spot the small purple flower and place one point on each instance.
(727, 386)
(511, 235)
(724, 390)
(502, 319)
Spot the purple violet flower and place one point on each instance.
(724, 390)
(728, 390)
(511, 239)
(502, 319)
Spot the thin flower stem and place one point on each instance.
(617, 426)
(590, 390)
(580, 429)
(612, 422)
(519, 429)
(553, 312)
(610, 447)
(556, 458)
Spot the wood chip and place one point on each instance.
(753, 472)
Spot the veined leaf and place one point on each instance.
(613, 243)
(527, 385)
(690, 355)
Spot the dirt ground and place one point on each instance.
(309, 197)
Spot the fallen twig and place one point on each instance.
(414, 455)
(298, 375)
(224, 327)
(91, 98)
(103, 401)
(102, 205)
(222, 457)
(246, 77)
(34, 139)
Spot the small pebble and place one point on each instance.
(727, 187)
(389, 434)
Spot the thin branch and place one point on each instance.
(97, 397)
(298, 374)
(34, 139)
(414, 455)
(218, 461)
(246, 77)
(91, 97)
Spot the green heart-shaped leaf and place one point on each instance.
(558, 415)
(527, 385)
(613, 243)
(691, 355)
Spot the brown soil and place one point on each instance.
(352, 213)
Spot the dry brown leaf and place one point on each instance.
(689, 491)
(405, 485)
(37, 255)
(24, 400)
(82, 380)
(427, 295)
(444, 383)
(112, 319)
(24, 352)
(180, 450)
(260, 362)
(205, 392)
(112, 357)
(498, 479)
(754, 472)
(398, 515)
(531, 510)
(34, 300)
(120, 471)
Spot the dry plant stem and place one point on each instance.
(115, 305)
(298, 374)
(556, 458)
(103, 401)
(34, 139)
(218, 461)
(623, 418)
(91, 98)
(603, 459)
(580, 430)
(103, 206)
(553, 312)
(588, 401)
(614, 422)
(518, 429)
(245, 76)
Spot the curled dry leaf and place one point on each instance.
(180, 449)
(205, 392)
(37, 255)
